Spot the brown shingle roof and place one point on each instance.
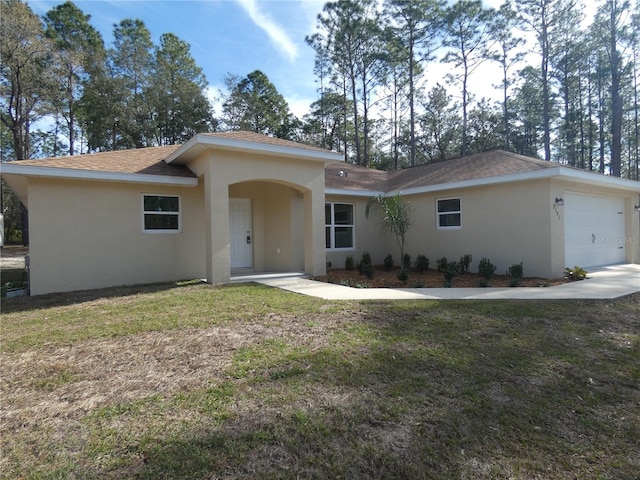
(471, 167)
(354, 177)
(147, 161)
(480, 165)
(150, 161)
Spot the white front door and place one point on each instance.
(240, 233)
(594, 230)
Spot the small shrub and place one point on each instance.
(403, 275)
(483, 282)
(516, 273)
(349, 263)
(450, 272)
(406, 261)
(418, 284)
(486, 269)
(365, 265)
(442, 264)
(388, 262)
(465, 263)
(575, 273)
(422, 263)
(366, 269)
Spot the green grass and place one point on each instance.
(303, 388)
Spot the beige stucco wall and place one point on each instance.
(90, 234)
(223, 173)
(507, 224)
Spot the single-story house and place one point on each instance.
(235, 202)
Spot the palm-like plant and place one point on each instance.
(395, 217)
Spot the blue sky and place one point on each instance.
(226, 36)
(240, 36)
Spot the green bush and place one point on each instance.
(486, 269)
(450, 272)
(349, 263)
(422, 263)
(465, 263)
(406, 261)
(388, 262)
(365, 267)
(403, 275)
(442, 264)
(516, 273)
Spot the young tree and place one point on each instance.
(395, 214)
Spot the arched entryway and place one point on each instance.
(266, 227)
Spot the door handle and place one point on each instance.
(248, 238)
(593, 238)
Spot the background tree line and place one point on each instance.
(572, 100)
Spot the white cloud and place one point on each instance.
(299, 106)
(275, 32)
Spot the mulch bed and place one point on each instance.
(427, 279)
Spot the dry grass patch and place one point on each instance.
(250, 382)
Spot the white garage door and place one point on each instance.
(594, 230)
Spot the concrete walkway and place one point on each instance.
(605, 283)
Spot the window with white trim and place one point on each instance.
(339, 226)
(161, 213)
(449, 213)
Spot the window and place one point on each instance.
(161, 213)
(338, 220)
(449, 213)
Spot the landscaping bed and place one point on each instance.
(427, 279)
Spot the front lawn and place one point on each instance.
(193, 381)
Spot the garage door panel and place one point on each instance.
(594, 230)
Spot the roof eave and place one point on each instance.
(200, 143)
(74, 174)
(353, 193)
